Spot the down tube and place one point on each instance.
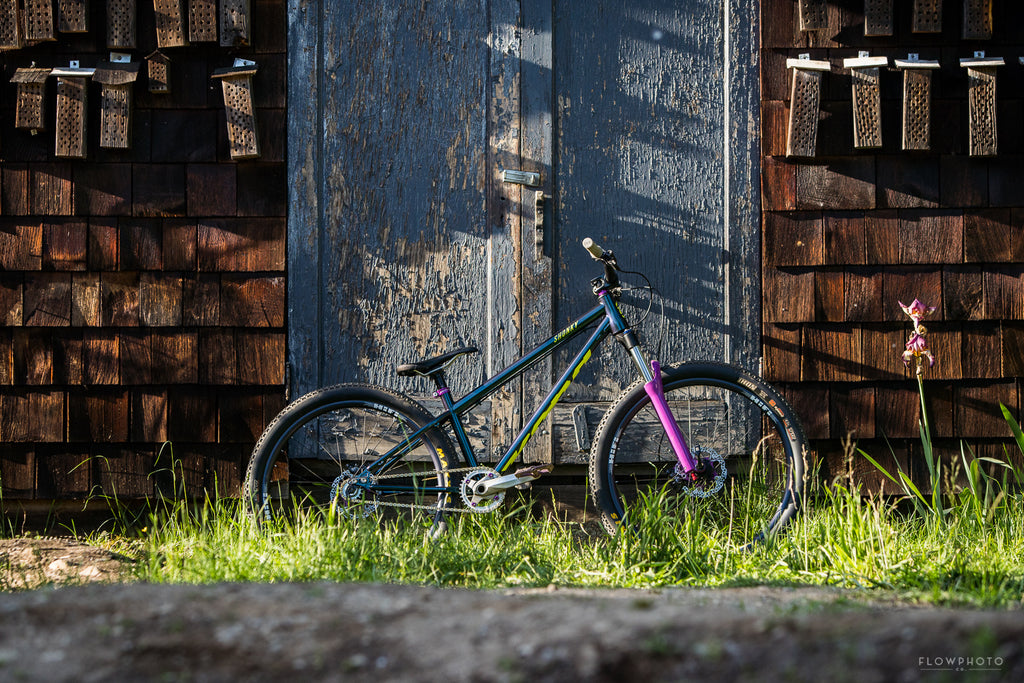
(556, 392)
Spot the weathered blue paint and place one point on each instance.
(404, 242)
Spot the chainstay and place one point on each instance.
(431, 508)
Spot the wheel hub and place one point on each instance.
(711, 473)
(348, 494)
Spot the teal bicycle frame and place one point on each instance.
(609, 321)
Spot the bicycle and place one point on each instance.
(697, 435)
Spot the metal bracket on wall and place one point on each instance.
(520, 178)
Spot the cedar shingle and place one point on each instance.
(788, 295)
(47, 299)
(252, 301)
(845, 238)
(261, 357)
(11, 305)
(52, 189)
(842, 183)
(977, 408)
(931, 237)
(103, 253)
(175, 357)
(781, 349)
(793, 239)
(103, 189)
(981, 355)
(778, 183)
(831, 354)
(99, 416)
(149, 415)
(908, 182)
(119, 299)
(180, 242)
(141, 244)
(864, 295)
(160, 299)
(962, 293)
(852, 409)
(1004, 293)
(64, 246)
(904, 284)
(21, 245)
(201, 300)
(101, 357)
(251, 244)
(218, 360)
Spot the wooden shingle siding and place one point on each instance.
(849, 233)
(113, 269)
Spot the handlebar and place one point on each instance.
(607, 258)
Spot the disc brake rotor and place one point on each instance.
(711, 474)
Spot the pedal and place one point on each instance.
(518, 478)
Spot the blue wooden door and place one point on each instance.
(405, 240)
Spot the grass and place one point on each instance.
(959, 545)
(971, 554)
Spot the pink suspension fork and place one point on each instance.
(656, 390)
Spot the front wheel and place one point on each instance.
(746, 439)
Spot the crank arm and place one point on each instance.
(520, 476)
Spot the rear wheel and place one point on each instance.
(326, 449)
(746, 439)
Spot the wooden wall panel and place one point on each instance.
(113, 268)
(935, 224)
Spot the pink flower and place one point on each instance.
(916, 310)
(917, 346)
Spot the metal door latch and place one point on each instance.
(520, 178)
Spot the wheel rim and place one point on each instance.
(714, 416)
(330, 450)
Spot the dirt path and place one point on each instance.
(327, 631)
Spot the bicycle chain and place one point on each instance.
(414, 506)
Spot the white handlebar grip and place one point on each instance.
(595, 251)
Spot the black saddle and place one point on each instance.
(432, 365)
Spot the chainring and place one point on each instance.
(478, 503)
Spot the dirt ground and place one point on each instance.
(86, 624)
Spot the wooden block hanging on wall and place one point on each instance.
(917, 102)
(202, 21)
(236, 83)
(38, 20)
(977, 20)
(927, 16)
(813, 15)
(804, 106)
(158, 73)
(72, 90)
(121, 24)
(235, 16)
(867, 104)
(981, 99)
(10, 25)
(73, 16)
(31, 87)
(878, 18)
(116, 80)
(170, 23)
